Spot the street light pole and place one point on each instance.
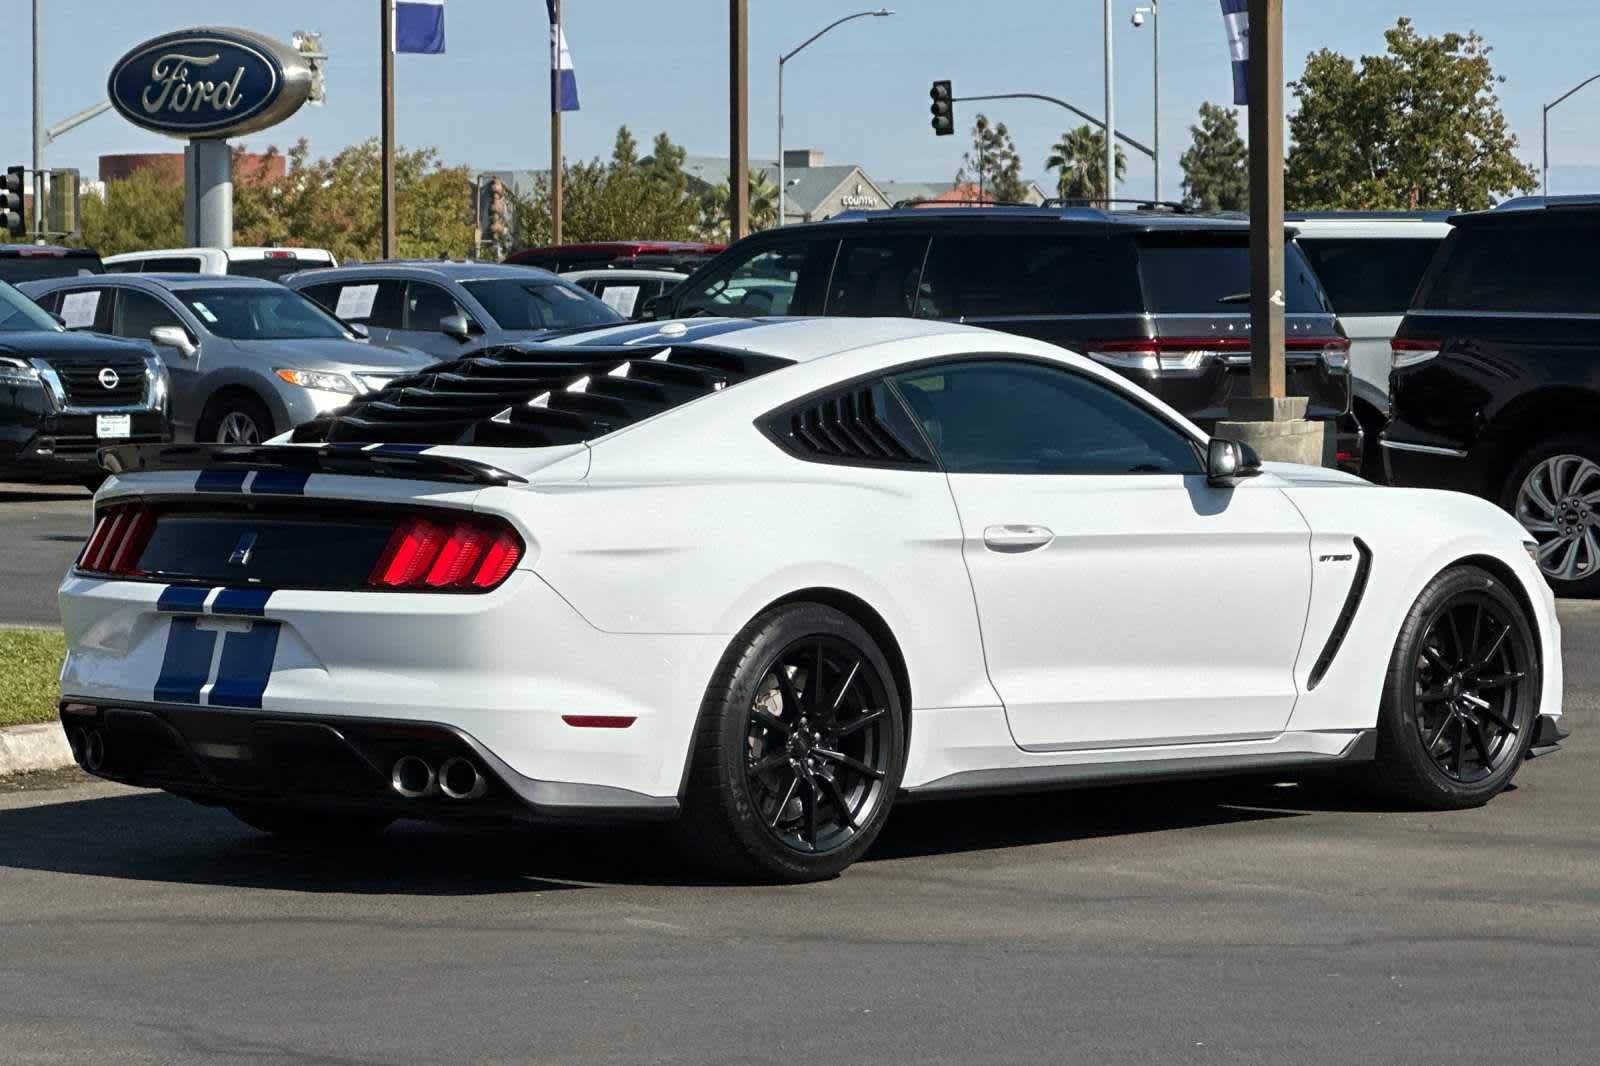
(1155, 91)
(38, 133)
(1544, 131)
(1111, 114)
(783, 190)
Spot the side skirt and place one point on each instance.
(1362, 747)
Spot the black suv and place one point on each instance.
(30, 262)
(1495, 386)
(65, 395)
(1160, 296)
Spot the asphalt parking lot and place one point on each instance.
(41, 529)
(1233, 922)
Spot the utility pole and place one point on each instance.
(1267, 379)
(386, 32)
(38, 132)
(1111, 116)
(555, 125)
(739, 118)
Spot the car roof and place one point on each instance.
(172, 282)
(54, 251)
(624, 274)
(424, 269)
(231, 253)
(1534, 208)
(1369, 224)
(796, 339)
(1099, 217)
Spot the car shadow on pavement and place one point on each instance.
(61, 495)
(156, 837)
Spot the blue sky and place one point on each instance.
(860, 94)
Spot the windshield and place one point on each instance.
(273, 268)
(517, 303)
(18, 314)
(260, 314)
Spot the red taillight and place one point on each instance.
(1192, 353)
(119, 539)
(1409, 351)
(469, 554)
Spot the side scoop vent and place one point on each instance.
(862, 426)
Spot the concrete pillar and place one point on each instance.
(1279, 430)
(208, 193)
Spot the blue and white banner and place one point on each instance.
(419, 26)
(1236, 19)
(563, 82)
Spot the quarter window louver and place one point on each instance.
(865, 425)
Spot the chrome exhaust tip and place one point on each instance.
(412, 777)
(77, 740)
(94, 751)
(460, 780)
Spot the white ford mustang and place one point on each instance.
(769, 578)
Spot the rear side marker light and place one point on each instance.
(470, 555)
(119, 539)
(599, 721)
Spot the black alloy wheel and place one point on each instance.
(1461, 697)
(819, 744)
(799, 748)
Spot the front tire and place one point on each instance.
(236, 418)
(1554, 491)
(799, 749)
(1461, 696)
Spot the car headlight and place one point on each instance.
(16, 372)
(318, 379)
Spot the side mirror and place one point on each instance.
(173, 337)
(1229, 461)
(359, 329)
(456, 326)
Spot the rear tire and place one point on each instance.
(1545, 491)
(298, 824)
(799, 749)
(1462, 694)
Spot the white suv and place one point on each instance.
(1369, 263)
(268, 263)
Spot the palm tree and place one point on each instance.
(1080, 156)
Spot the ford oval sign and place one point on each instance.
(209, 82)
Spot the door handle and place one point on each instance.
(1013, 539)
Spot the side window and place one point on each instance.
(86, 309)
(50, 301)
(988, 275)
(172, 264)
(137, 313)
(127, 266)
(876, 276)
(1002, 416)
(783, 278)
(623, 297)
(1535, 266)
(1370, 277)
(426, 305)
(326, 296)
(374, 303)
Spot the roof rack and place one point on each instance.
(1099, 201)
(929, 201)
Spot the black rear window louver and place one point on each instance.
(864, 425)
(529, 397)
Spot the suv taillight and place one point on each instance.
(1192, 353)
(428, 554)
(119, 539)
(1409, 351)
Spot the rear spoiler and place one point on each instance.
(358, 460)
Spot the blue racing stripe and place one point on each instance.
(245, 603)
(220, 481)
(402, 449)
(280, 482)
(186, 663)
(183, 599)
(246, 667)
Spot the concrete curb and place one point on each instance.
(33, 747)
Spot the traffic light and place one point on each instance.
(943, 109)
(11, 200)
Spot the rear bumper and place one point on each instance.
(224, 757)
(53, 446)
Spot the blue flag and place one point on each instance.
(1236, 19)
(563, 82)
(419, 26)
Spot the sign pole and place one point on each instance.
(1267, 380)
(738, 119)
(38, 133)
(386, 27)
(556, 206)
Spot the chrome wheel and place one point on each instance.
(1469, 687)
(237, 427)
(818, 744)
(1559, 503)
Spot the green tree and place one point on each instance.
(623, 198)
(144, 210)
(993, 163)
(1417, 127)
(1080, 156)
(1216, 174)
(762, 198)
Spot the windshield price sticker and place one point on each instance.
(621, 298)
(78, 308)
(355, 301)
